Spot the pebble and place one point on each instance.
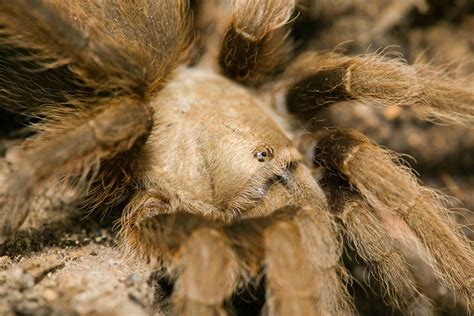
(132, 279)
(50, 295)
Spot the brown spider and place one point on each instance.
(215, 192)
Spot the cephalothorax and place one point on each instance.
(214, 189)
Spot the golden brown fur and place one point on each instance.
(376, 79)
(213, 189)
(248, 52)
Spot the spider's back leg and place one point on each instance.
(375, 242)
(121, 54)
(111, 48)
(395, 196)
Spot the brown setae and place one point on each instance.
(172, 114)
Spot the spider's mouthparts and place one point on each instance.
(285, 176)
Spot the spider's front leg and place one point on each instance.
(109, 115)
(393, 210)
(317, 80)
(248, 53)
(298, 247)
(193, 249)
(69, 153)
(210, 260)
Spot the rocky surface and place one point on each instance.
(68, 265)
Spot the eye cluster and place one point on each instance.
(263, 153)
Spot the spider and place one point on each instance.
(143, 105)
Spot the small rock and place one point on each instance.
(28, 281)
(136, 297)
(50, 295)
(132, 279)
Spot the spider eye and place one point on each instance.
(261, 156)
(263, 153)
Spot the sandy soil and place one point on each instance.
(69, 266)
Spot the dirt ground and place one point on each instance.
(68, 265)
(62, 262)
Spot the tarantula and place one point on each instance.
(143, 105)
